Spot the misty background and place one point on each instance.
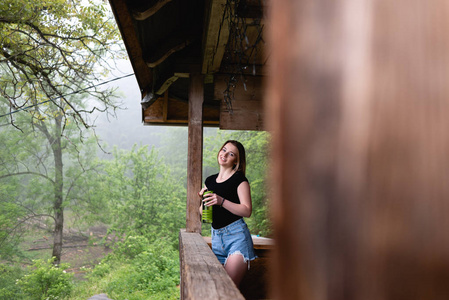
(126, 129)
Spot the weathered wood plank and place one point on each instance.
(246, 115)
(216, 37)
(195, 152)
(247, 105)
(202, 275)
(253, 91)
(358, 100)
(143, 74)
(172, 111)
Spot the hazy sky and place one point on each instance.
(127, 129)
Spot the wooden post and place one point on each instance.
(358, 103)
(195, 152)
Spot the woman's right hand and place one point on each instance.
(200, 193)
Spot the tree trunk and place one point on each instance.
(58, 207)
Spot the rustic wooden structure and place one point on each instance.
(358, 101)
(178, 52)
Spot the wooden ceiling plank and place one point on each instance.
(156, 61)
(217, 35)
(140, 16)
(166, 85)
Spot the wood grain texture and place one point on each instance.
(143, 75)
(357, 103)
(202, 275)
(195, 152)
(247, 105)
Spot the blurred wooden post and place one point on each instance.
(195, 152)
(358, 103)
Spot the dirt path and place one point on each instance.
(80, 249)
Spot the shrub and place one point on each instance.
(136, 270)
(46, 281)
(9, 288)
(132, 246)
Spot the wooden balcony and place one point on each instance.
(203, 277)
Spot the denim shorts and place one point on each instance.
(233, 239)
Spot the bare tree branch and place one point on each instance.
(27, 173)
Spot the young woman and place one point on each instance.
(231, 201)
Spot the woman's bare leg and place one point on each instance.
(236, 268)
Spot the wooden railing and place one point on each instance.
(202, 276)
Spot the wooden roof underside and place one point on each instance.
(167, 40)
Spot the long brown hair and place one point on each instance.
(241, 156)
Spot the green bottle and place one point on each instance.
(207, 210)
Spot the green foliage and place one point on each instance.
(9, 276)
(131, 247)
(9, 238)
(138, 269)
(46, 281)
(52, 47)
(144, 200)
(84, 181)
(29, 187)
(48, 49)
(147, 208)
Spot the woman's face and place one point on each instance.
(228, 156)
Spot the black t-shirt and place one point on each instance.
(221, 217)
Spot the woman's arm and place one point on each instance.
(245, 207)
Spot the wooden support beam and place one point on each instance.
(357, 101)
(171, 111)
(168, 49)
(195, 152)
(143, 75)
(141, 16)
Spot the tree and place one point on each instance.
(40, 179)
(52, 48)
(50, 52)
(144, 198)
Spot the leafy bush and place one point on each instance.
(132, 246)
(143, 197)
(46, 281)
(9, 288)
(137, 270)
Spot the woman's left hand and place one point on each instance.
(213, 199)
